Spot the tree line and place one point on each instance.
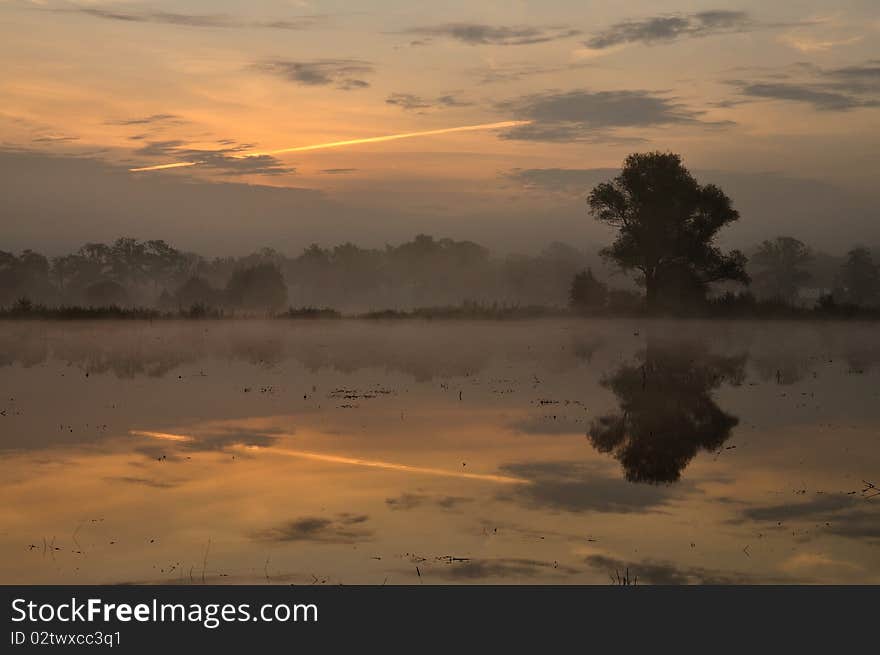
(423, 271)
(666, 230)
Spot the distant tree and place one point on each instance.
(780, 268)
(128, 261)
(24, 276)
(162, 262)
(666, 226)
(105, 293)
(259, 287)
(195, 291)
(859, 278)
(587, 293)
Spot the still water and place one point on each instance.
(409, 452)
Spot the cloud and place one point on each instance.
(864, 78)
(451, 101)
(337, 171)
(407, 101)
(227, 161)
(548, 425)
(583, 115)
(478, 569)
(407, 501)
(572, 487)
(341, 529)
(842, 515)
(188, 20)
(52, 138)
(835, 89)
(222, 439)
(345, 74)
(809, 44)
(145, 120)
(482, 34)
(411, 102)
(658, 572)
(820, 98)
(671, 27)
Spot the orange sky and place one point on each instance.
(788, 90)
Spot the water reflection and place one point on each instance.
(667, 412)
(436, 452)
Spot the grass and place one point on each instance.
(470, 310)
(726, 307)
(310, 312)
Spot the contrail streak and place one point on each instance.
(167, 436)
(352, 461)
(348, 142)
(391, 466)
(160, 167)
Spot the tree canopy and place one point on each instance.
(780, 268)
(666, 226)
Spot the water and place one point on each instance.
(351, 452)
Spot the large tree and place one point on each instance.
(666, 226)
(667, 413)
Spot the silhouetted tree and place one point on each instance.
(25, 276)
(196, 291)
(105, 293)
(859, 278)
(779, 266)
(257, 287)
(587, 293)
(666, 226)
(667, 413)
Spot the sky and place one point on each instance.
(779, 103)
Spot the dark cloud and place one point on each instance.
(407, 101)
(345, 74)
(223, 439)
(406, 501)
(54, 139)
(190, 20)
(573, 487)
(817, 96)
(582, 115)
(145, 120)
(856, 79)
(482, 34)
(671, 27)
(479, 569)
(224, 160)
(451, 101)
(411, 102)
(341, 529)
(338, 171)
(841, 514)
(835, 89)
(548, 425)
(657, 572)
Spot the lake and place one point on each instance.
(425, 452)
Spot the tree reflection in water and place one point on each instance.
(666, 409)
